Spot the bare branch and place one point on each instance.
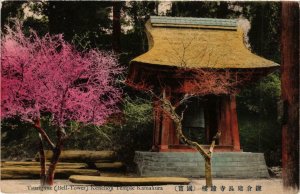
(217, 136)
(170, 111)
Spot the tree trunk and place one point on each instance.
(42, 161)
(52, 166)
(56, 153)
(37, 124)
(208, 177)
(290, 93)
(157, 8)
(116, 26)
(42, 135)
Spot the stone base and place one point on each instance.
(224, 164)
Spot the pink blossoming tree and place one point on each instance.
(47, 75)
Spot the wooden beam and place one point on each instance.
(32, 173)
(61, 165)
(234, 125)
(157, 114)
(81, 155)
(166, 93)
(225, 121)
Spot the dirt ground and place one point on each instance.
(224, 186)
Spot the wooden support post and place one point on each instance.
(174, 140)
(172, 133)
(211, 117)
(207, 125)
(164, 144)
(225, 121)
(234, 125)
(157, 124)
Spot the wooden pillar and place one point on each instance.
(225, 121)
(157, 114)
(234, 125)
(174, 140)
(166, 93)
(211, 115)
(175, 137)
(207, 125)
(172, 133)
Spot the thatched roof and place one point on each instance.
(198, 43)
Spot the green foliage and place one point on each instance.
(261, 135)
(17, 139)
(130, 131)
(16, 10)
(11, 9)
(260, 129)
(265, 28)
(137, 111)
(139, 11)
(134, 42)
(202, 9)
(262, 97)
(77, 17)
(134, 132)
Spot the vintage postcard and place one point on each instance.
(159, 97)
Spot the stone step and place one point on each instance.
(200, 164)
(216, 158)
(125, 181)
(109, 165)
(231, 164)
(196, 174)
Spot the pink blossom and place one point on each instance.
(46, 74)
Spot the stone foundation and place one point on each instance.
(183, 164)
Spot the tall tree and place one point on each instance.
(264, 35)
(10, 9)
(201, 9)
(116, 26)
(290, 93)
(90, 18)
(31, 13)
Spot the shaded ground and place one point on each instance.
(267, 186)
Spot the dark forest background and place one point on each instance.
(119, 26)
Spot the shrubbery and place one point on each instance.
(259, 122)
(132, 132)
